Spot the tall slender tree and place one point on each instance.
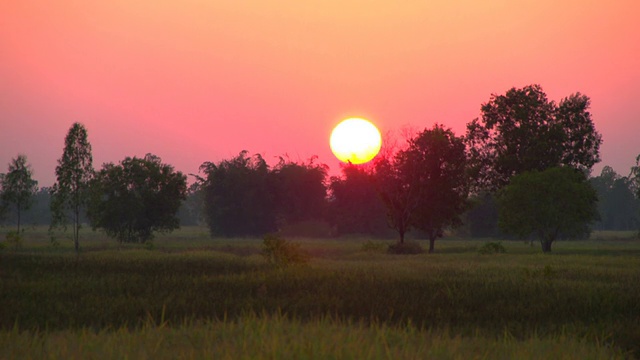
(74, 172)
(18, 187)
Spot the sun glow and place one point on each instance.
(355, 140)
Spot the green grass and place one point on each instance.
(456, 303)
(276, 337)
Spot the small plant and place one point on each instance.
(14, 238)
(406, 248)
(492, 248)
(371, 246)
(280, 252)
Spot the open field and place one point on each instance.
(192, 296)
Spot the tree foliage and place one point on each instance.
(135, 198)
(300, 190)
(70, 193)
(617, 204)
(17, 188)
(238, 196)
(243, 196)
(353, 205)
(524, 131)
(547, 204)
(425, 185)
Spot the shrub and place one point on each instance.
(371, 246)
(14, 238)
(280, 252)
(492, 248)
(406, 248)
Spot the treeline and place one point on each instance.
(521, 169)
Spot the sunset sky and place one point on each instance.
(200, 80)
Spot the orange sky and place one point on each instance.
(200, 80)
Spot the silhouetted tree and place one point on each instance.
(17, 187)
(238, 197)
(354, 205)
(136, 198)
(547, 204)
(524, 131)
(300, 192)
(482, 217)
(74, 172)
(425, 185)
(191, 210)
(617, 204)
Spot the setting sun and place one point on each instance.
(355, 140)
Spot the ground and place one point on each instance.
(188, 295)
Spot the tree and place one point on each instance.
(300, 192)
(136, 198)
(482, 217)
(74, 172)
(238, 195)
(546, 204)
(635, 177)
(354, 206)
(425, 185)
(524, 131)
(617, 204)
(17, 187)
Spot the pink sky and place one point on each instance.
(194, 80)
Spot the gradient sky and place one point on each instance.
(200, 80)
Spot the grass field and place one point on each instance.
(192, 296)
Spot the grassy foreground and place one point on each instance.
(191, 296)
(275, 337)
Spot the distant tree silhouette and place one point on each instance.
(482, 217)
(300, 190)
(191, 210)
(135, 198)
(523, 131)
(354, 205)
(547, 204)
(617, 204)
(238, 196)
(17, 187)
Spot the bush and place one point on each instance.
(371, 246)
(14, 239)
(280, 252)
(406, 248)
(492, 248)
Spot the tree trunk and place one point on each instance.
(76, 228)
(18, 206)
(432, 242)
(401, 232)
(546, 246)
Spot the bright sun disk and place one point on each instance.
(355, 140)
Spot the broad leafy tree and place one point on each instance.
(136, 198)
(17, 187)
(547, 204)
(524, 131)
(238, 196)
(74, 172)
(425, 185)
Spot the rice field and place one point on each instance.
(191, 296)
